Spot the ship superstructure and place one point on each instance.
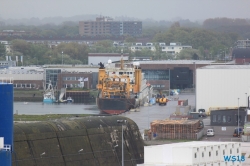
(121, 89)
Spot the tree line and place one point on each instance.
(213, 39)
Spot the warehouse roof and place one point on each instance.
(108, 54)
(178, 62)
(226, 67)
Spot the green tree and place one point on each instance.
(2, 50)
(74, 50)
(37, 51)
(130, 39)
(21, 46)
(189, 54)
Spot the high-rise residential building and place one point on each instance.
(105, 26)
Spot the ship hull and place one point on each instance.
(49, 101)
(115, 106)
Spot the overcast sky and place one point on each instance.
(141, 9)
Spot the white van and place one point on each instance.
(210, 132)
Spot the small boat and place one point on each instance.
(69, 100)
(25, 102)
(48, 95)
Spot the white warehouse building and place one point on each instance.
(220, 86)
(196, 153)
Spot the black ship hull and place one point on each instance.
(115, 105)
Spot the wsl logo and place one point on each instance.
(234, 158)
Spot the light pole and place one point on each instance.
(62, 57)
(246, 100)
(246, 107)
(122, 121)
(169, 82)
(194, 80)
(238, 117)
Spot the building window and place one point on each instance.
(228, 119)
(214, 118)
(219, 118)
(195, 155)
(156, 74)
(224, 119)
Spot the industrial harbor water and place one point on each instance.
(142, 117)
(38, 108)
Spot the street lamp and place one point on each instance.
(169, 88)
(246, 100)
(194, 80)
(62, 57)
(122, 121)
(246, 107)
(238, 117)
(194, 75)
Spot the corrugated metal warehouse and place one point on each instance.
(220, 86)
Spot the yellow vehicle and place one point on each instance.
(163, 101)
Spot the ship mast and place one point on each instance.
(122, 59)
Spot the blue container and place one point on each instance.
(152, 101)
(6, 117)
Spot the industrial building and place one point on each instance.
(222, 87)
(228, 117)
(7, 64)
(195, 153)
(96, 58)
(241, 55)
(171, 74)
(162, 75)
(106, 26)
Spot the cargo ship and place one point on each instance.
(121, 89)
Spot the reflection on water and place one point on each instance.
(37, 108)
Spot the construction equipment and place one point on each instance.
(161, 99)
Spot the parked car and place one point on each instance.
(210, 132)
(202, 113)
(237, 132)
